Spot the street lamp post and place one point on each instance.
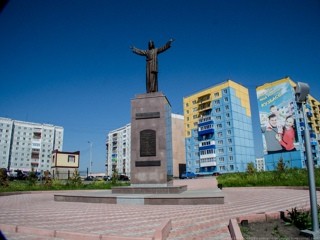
(302, 91)
(90, 160)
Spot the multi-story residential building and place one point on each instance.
(27, 145)
(314, 128)
(282, 125)
(218, 129)
(118, 145)
(260, 164)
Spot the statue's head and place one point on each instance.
(151, 44)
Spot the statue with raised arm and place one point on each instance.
(151, 55)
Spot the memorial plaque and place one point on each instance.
(155, 163)
(148, 143)
(147, 115)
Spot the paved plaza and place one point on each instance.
(36, 213)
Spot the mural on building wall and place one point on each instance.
(276, 106)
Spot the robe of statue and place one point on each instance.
(151, 55)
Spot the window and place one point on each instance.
(71, 159)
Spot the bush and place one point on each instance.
(283, 177)
(301, 218)
(3, 177)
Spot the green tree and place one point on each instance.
(3, 177)
(250, 168)
(75, 179)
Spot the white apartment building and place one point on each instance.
(118, 145)
(27, 145)
(260, 164)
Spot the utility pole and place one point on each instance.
(90, 160)
(302, 91)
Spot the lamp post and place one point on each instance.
(90, 160)
(302, 91)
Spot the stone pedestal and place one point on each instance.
(150, 116)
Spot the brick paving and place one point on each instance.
(39, 212)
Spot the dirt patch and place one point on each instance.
(276, 229)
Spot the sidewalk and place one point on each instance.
(38, 213)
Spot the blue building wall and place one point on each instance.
(231, 132)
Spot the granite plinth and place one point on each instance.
(188, 197)
(149, 190)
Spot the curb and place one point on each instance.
(234, 228)
(160, 233)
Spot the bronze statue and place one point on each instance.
(152, 63)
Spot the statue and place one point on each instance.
(152, 63)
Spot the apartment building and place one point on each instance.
(27, 145)
(118, 147)
(218, 129)
(282, 125)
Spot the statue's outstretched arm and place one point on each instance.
(138, 51)
(166, 46)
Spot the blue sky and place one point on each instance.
(69, 63)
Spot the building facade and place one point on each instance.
(218, 129)
(64, 164)
(28, 146)
(118, 146)
(282, 125)
(178, 147)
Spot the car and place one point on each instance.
(123, 177)
(17, 175)
(89, 178)
(107, 178)
(185, 175)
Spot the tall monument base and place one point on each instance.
(150, 140)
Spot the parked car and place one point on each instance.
(107, 178)
(89, 178)
(123, 178)
(17, 175)
(188, 175)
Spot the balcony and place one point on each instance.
(208, 163)
(205, 129)
(205, 119)
(204, 107)
(206, 145)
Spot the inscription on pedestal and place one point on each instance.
(154, 163)
(147, 115)
(148, 143)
